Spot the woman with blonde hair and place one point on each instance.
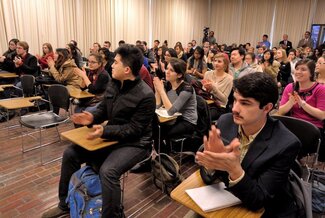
(218, 82)
(284, 75)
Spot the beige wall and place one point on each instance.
(88, 21)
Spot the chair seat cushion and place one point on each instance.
(42, 120)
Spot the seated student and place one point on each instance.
(108, 59)
(47, 52)
(6, 60)
(176, 96)
(305, 99)
(62, 69)
(129, 105)
(219, 83)
(95, 81)
(251, 152)
(75, 54)
(25, 63)
(269, 65)
(251, 61)
(284, 76)
(196, 66)
(180, 52)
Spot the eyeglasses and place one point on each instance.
(92, 62)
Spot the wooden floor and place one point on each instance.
(27, 189)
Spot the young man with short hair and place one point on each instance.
(25, 63)
(251, 152)
(129, 105)
(237, 66)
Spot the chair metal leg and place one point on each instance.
(54, 159)
(161, 178)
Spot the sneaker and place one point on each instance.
(55, 213)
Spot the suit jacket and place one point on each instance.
(303, 43)
(289, 45)
(266, 164)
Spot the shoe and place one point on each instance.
(142, 167)
(55, 213)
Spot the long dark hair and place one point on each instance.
(63, 56)
(74, 53)
(271, 56)
(201, 52)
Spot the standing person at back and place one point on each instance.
(238, 67)
(251, 152)
(129, 105)
(285, 43)
(306, 41)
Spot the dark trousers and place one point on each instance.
(113, 161)
(321, 152)
(174, 131)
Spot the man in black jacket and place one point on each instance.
(260, 150)
(129, 106)
(25, 63)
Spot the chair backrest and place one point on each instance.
(306, 132)
(204, 118)
(59, 97)
(28, 85)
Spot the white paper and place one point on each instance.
(163, 113)
(213, 197)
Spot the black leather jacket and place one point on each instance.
(129, 111)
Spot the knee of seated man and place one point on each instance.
(108, 172)
(69, 153)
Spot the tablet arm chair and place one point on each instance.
(310, 138)
(58, 98)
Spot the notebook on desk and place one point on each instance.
(163, 113)
(213, 197)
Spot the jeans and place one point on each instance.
(114, 161)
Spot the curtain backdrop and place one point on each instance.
(89, 21)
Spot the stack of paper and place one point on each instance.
(213, 197)
(163, 113)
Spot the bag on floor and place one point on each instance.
(84, 196)
(318, 191)
(166, 175)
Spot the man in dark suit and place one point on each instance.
(285, 43)
(259, 151)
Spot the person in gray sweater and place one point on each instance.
(176, 96)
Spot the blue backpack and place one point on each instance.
(84, 196)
